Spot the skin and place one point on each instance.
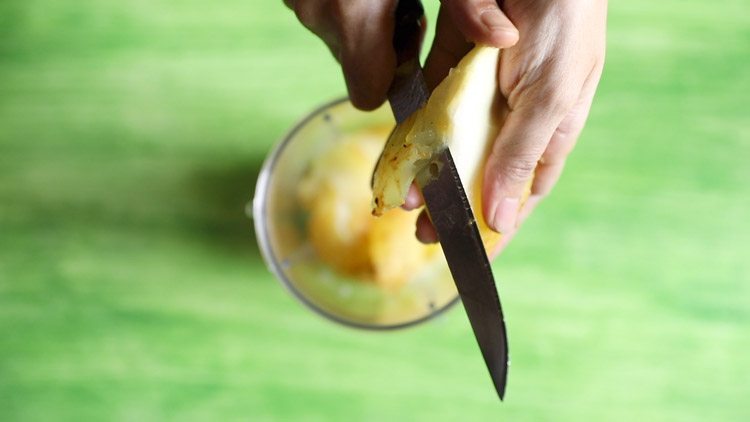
(549, 71)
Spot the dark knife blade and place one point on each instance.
(408, 91)
(448, 206)
(450, 213)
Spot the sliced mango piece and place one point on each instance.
(465, 113)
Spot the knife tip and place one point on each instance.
(501, 394)
(500, 384)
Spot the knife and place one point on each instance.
(448, 206)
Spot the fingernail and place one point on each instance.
(490, 216)
(506, 215)
(493, 19)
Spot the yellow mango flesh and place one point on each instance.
(342, 230)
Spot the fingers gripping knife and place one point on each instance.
(448, 206)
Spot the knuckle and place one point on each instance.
(318, 16)
(306, 12)
(571, 126)
(337, 10)
(520, 170)
(557, 99)
(481, 5)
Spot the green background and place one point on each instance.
(131, 287)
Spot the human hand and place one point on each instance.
(359, 34)
(548, 76)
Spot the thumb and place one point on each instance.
(482, 22)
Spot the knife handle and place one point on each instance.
(408, 30)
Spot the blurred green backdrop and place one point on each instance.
(131, 288)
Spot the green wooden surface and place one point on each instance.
(131, 288)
